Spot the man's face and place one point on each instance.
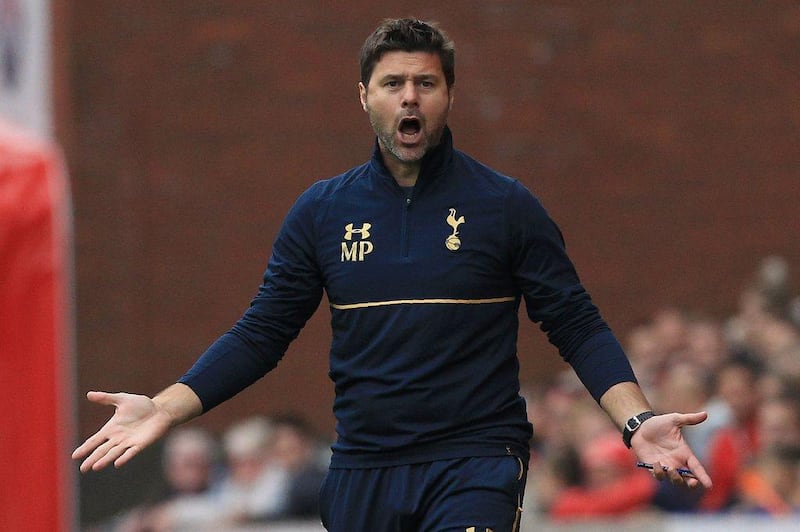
(408, 101)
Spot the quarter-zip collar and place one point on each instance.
(434, 163)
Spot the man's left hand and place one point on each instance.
(659, 441)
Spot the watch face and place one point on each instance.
(636, 421)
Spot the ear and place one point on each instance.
(451, 95)
(362, 95)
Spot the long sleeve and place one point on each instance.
(289, 295)
(555, 297)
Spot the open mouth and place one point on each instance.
(410, 126)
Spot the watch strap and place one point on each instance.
(633, 424)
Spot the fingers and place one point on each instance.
(96, 446)
(88, 446)
(109, 452)
(700, 473)
(663, 472)
(100, 436)
(674, 476)
(111, 455)
(129, 453)
(658, 471)
(100, 452)
(97, 454)
(693, 477)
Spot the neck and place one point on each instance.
(405, 173)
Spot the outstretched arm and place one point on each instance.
(659, 440)
(138, 421)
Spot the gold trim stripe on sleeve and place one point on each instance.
(433, 301)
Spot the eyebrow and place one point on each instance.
(416, 77)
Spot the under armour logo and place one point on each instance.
(358, 250)
(363, 231)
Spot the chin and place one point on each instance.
(413, 157)
(406, 155)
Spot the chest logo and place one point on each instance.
(356, 250)
(452, 241)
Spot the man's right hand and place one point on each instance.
(138, 421)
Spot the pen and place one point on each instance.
(682, 472)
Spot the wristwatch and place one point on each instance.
(632, 425)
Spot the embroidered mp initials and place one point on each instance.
(453, 242)
(356, 250)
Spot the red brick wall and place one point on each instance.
(661, 136)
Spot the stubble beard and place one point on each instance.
(388, 140)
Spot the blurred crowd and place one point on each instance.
(261, 470)
(743, 369)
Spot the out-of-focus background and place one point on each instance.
(172, 137)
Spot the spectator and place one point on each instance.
(779, 422)
(553, 407)
(553, 473)
(670, 326)
(779, 342)
(296, 451)
(706, 345)
(254, 485)
(742, 374)
(770, 485)
(645, 353)
(250, 489)
(775, 385)
(189, 463)
(654, 345)
(685, 384)
(612, 485)
(764, 321)
(773, 282)
(555, 459)
(733, 445)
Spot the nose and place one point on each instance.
(410, 94)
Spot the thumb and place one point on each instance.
(691, 419)
(103, 398)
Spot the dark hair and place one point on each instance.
(408, 35)
(296, 422)
(747, 360)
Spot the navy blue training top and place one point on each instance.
(424, 293)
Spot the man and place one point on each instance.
(425, 255)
